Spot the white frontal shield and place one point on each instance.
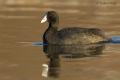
(44, 19)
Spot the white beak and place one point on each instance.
(44, 19)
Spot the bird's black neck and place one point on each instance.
(53, 26)
(51, 30)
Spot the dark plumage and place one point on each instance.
(70, 36)
(71, 41)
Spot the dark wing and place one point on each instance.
(67, 32)
(80, 35)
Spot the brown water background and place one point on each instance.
(20, 26)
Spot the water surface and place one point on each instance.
(20, 26)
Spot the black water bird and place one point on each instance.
(69, 36)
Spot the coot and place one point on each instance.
(73, 41)
(69, 36)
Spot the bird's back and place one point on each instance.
(79, 35)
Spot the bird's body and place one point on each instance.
(72, 40)
(75, 35)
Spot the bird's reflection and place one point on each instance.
(54, 67)
(69, 51)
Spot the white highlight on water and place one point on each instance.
(45, 70)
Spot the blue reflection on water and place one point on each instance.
(115, 39)
(38, 43)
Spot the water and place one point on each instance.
(22, 61)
